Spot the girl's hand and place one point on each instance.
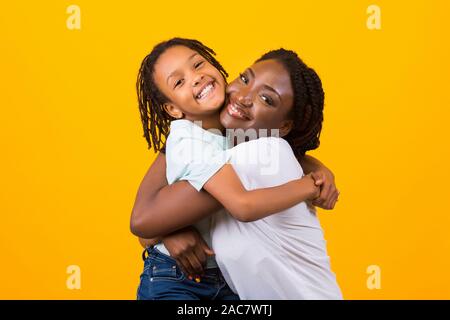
(312, 185)
(329, 194)
(145, 243)
(189, 249)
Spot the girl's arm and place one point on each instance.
(145, 243)
(160, 209)
(247, 206)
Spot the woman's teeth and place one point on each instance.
(205, 91)
(235, 112)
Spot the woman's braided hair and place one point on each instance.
(155, 120)
(307, 110)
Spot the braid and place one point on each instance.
(307, 109)
(155, 121)
(314, 110)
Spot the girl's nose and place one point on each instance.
(198, 79)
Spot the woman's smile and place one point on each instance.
(237, 112)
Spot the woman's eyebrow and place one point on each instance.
(267, 87)
(251, 72)
(272, 89)
(173, 72)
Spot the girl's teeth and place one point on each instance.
(205, 91)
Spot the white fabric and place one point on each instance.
(195, 155)
(284, 255)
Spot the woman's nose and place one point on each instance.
(245, 101)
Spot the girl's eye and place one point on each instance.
(243, 78)
(198, 64)
(177, 83)
(267, 100)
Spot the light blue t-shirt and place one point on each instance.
(195, 154)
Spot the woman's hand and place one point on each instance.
(329, 194)
(324, 178)
(189, 249)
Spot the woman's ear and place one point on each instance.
(173, 111)
(286, 127)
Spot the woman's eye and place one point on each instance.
(198, 64)
(267, 100)
(243, 78)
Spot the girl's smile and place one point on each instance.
(206, 91)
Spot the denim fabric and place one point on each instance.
(162, 279)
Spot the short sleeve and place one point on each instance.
(265, 162)
(192, 159)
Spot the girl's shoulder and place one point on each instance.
(183, 132)
(186, 129)
(181, 129)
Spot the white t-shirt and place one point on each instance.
(195, 155)
(282, 256)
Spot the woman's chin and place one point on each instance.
(227, 121)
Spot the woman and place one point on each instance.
(161, 209)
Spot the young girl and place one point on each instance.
(192, 89)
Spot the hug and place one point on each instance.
(215, 225)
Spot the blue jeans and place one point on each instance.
(162, 279)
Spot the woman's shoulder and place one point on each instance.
(272, 153)
(266, 144)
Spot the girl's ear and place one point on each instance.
(173, 111)
(286, 127)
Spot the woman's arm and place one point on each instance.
(160, 209)
(247, 206)
(310, 164)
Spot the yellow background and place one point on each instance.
(72, 152)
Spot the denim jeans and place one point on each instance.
(162, 279)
